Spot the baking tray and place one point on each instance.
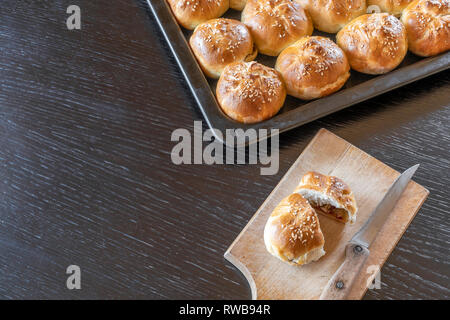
(295, 112)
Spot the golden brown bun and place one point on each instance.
(190, 13)
(219, 42)
(374, 43)
(250, 92)
(427, 24)
(292, 232)
(313, 67)
(394, 7)
(321, 190)
(331, 15)
(276, 24)
(237, 4)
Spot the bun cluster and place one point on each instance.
(307, 67)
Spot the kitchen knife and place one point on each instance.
(357, 250)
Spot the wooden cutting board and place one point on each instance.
(270, 278)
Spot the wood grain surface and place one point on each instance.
(369, 179)
(86, 178)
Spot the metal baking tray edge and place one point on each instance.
(308, 112)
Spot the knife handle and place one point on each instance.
(340, 284)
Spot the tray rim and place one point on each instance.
(308, 112)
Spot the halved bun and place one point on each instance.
(329, 195)
(292, 232)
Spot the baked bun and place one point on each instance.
(313, 67)
(329, 195)
(190, 13)
(394, 7)
(374, 43)
(237, 4)
(427, 24)
(293, 232)
(219, 42)
(276, 24)
(331, 15)
(250, 92)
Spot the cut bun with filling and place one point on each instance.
(292, 232)
(329, 196)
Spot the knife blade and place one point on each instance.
(357, 250)
(369, 230)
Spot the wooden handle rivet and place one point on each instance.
(340, 284)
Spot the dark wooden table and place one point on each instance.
(86, 177)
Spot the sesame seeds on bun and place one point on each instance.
(250, 92)
(190, 13)
(276, 24)
(427, 24)
(313, 67)
(331, 15)
(374, 43)
(219, 42)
